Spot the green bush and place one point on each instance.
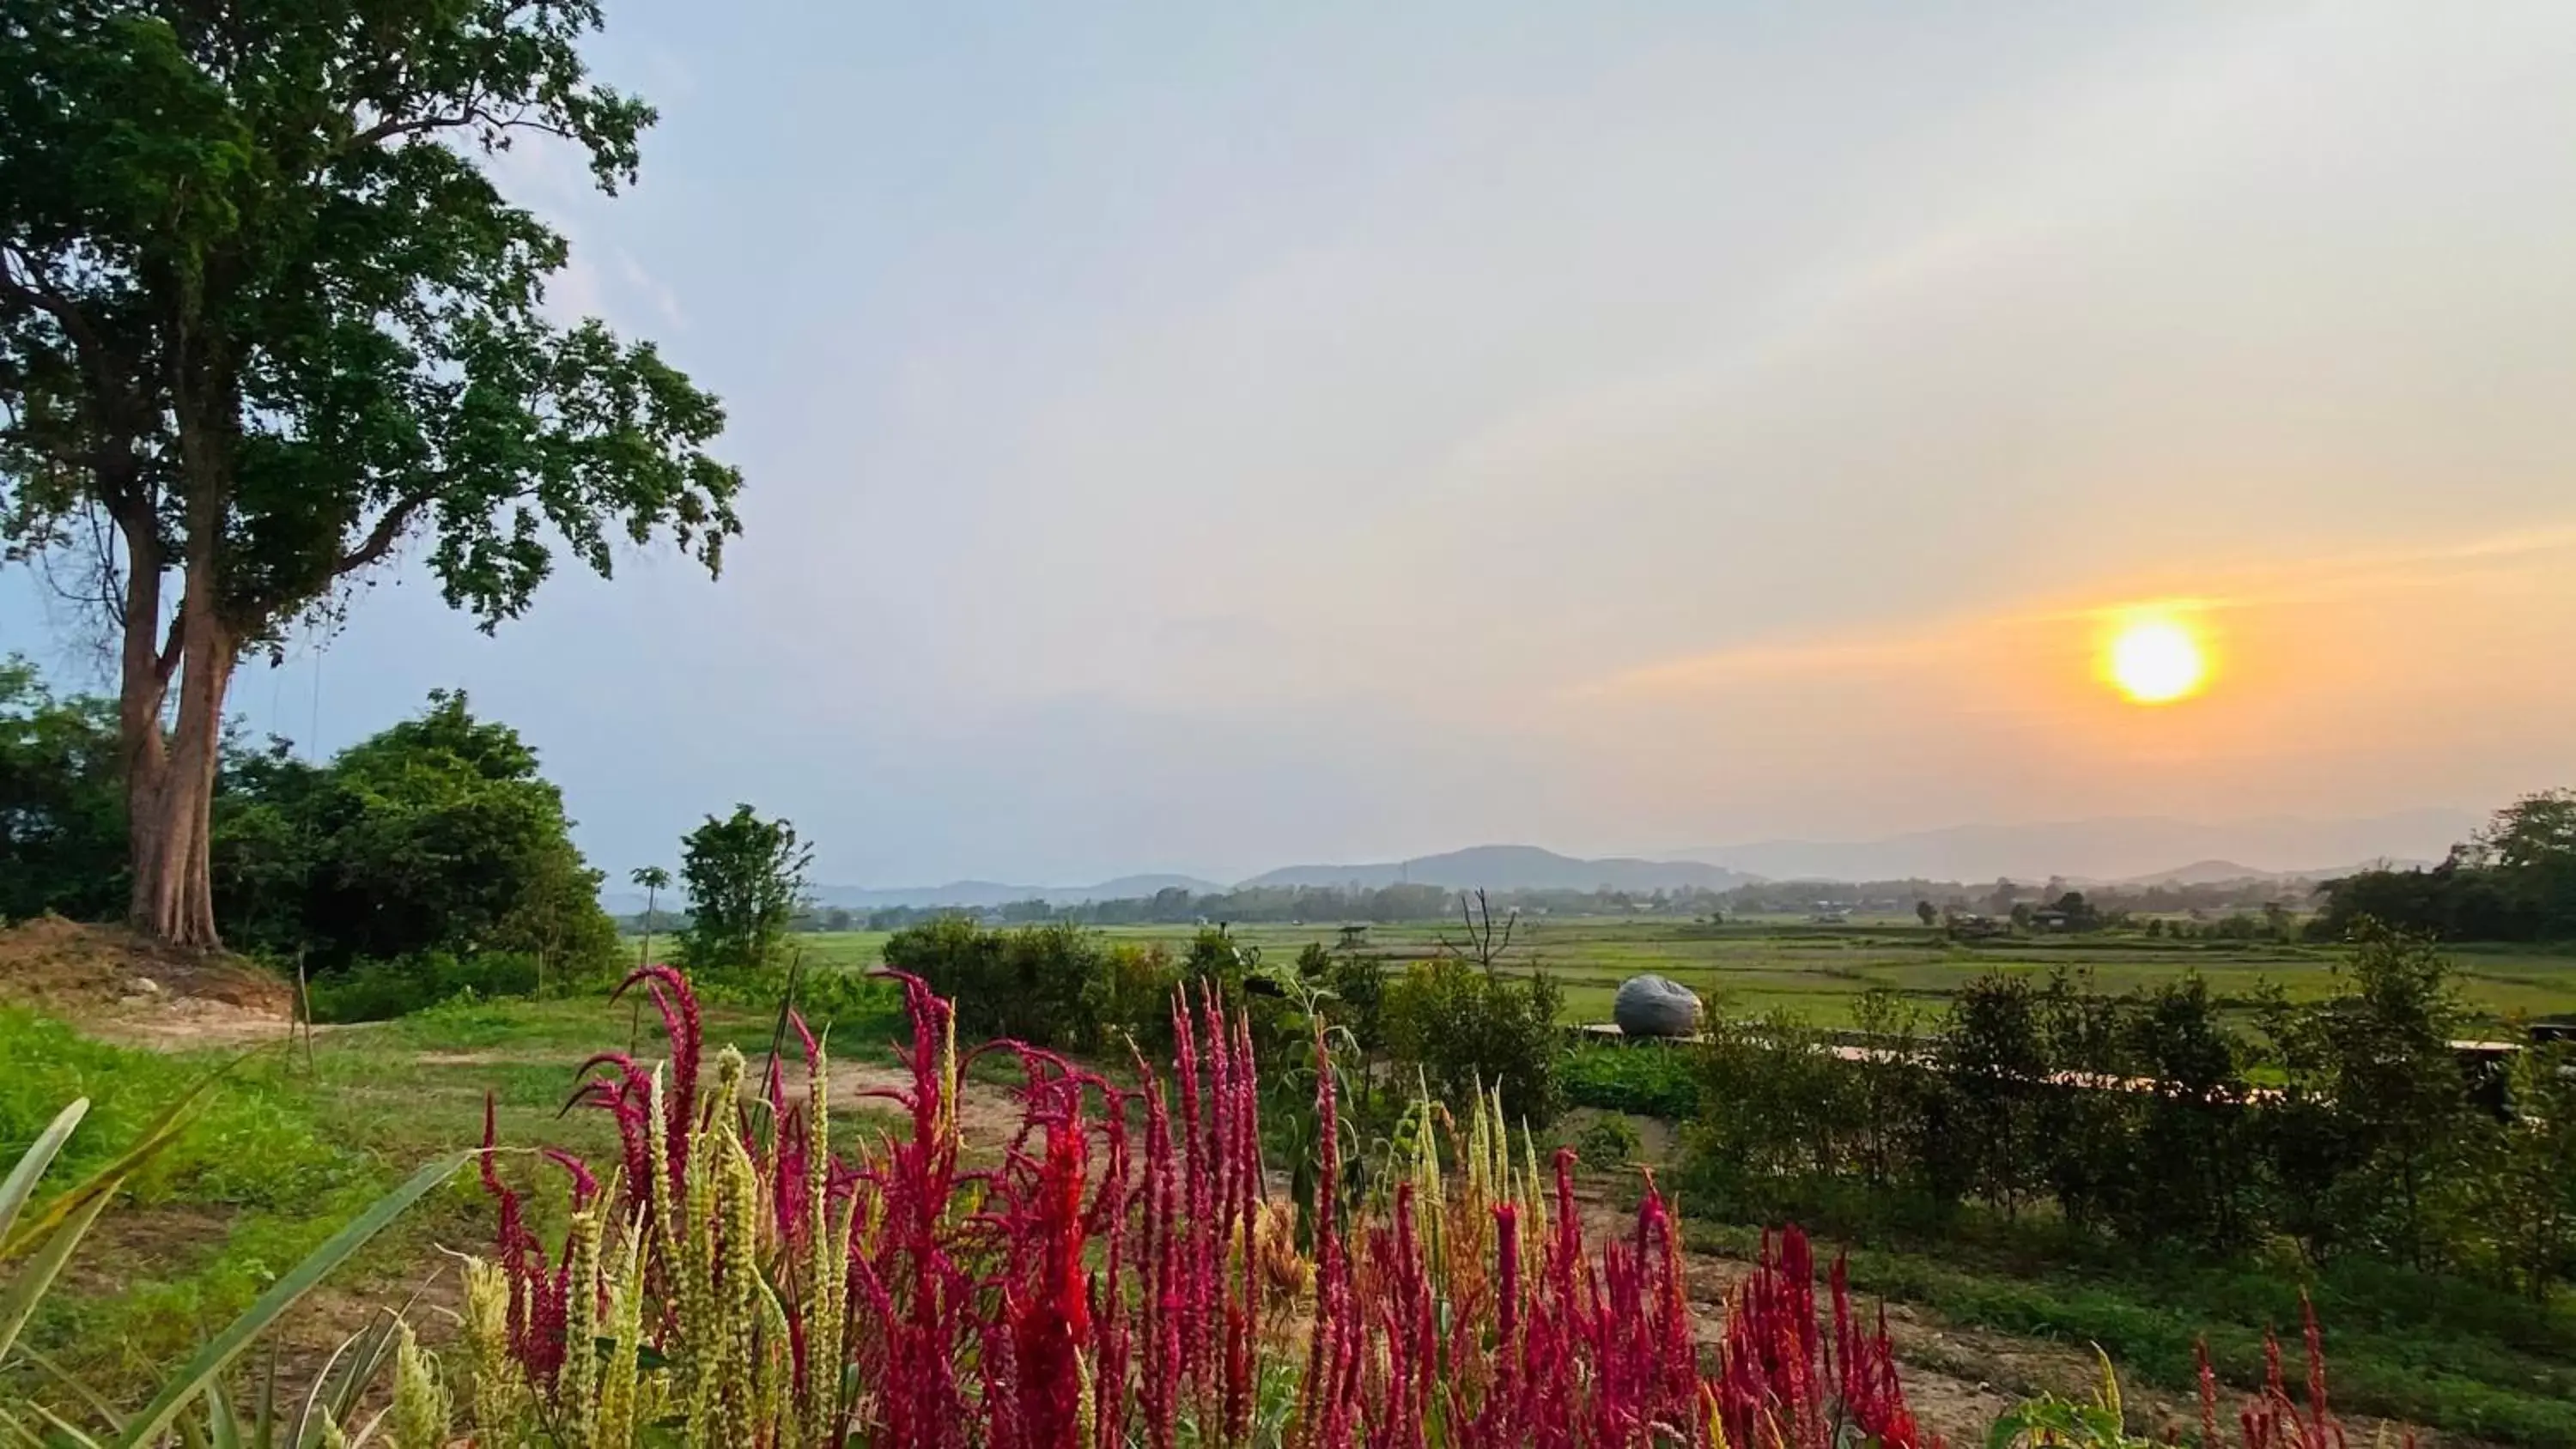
(849, 1004)
(1609, 1142)
(1649, 1081)
(382, 990)
(2134, 1118)
(1055, 985)
(1462, 1026)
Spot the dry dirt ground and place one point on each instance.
(129, 990)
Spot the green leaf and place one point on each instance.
(33, 1162)
(158, 1134)
(211, 1360)
(26, 1290)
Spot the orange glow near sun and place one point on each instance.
(2155, 659)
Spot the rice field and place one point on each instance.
(1755, 967)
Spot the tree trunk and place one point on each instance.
(170, 774)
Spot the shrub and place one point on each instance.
(1609, 1141)
(1054, 985)
(382, 990)
(1357, 981)
(1779, 1118)
(1648, 1081)
(843, 1002)
(2374, 1131)
(1466, 1028)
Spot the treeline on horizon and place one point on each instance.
(2514, 881)
(1382, 905)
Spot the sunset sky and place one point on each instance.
(1186, 439)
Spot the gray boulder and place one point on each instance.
(1655, 1006)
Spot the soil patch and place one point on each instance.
(124, 987)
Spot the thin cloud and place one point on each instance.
(2243, 588)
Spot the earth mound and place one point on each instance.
(117, 984)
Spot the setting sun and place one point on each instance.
(2157, 661)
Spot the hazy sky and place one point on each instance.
(1181, 438)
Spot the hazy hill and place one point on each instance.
(2227, 872)
(2128, 848)
(1511, 867)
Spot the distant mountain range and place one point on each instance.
(1512, 868)
(2228, 872)
(2127, 851)
(2122, 848)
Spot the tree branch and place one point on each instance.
(473, 114)
(34, 291)
(172, 646)
(382, 538)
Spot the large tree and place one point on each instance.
(265, 320)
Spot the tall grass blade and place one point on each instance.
(223, 1431)
(106, 1411)
(67, 1429)
(218, 1354)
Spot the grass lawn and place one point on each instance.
(283, 1153)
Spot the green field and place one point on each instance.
(1757, 966)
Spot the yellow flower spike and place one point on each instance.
(1716, 1423)
(619, 1391)
(770, 1371)
(948, 1128)
(499, 1388)
(578, 1390)
(2109, 1392)
(1086, 1410)
(421, 1405)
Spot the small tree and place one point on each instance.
(1462, 1028)
(2376, 1110)
(1992, 1058)
(2533, 1207)
(655, 880)
(746, 881)
(1927, 913)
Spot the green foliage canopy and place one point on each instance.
(265, 318)
(746, 882)
(437, 834)
(62, 820)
